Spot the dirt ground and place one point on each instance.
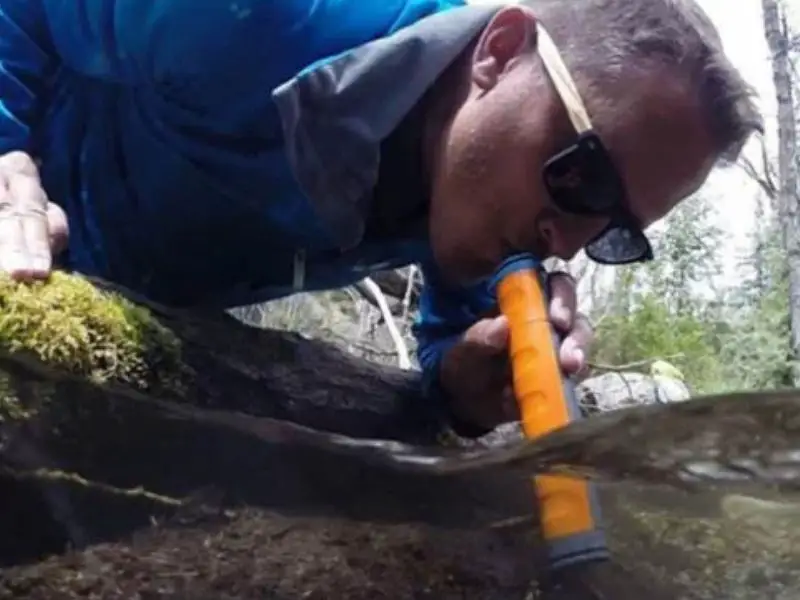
(256, 555)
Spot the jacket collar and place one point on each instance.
(336, 113)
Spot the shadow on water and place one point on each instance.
(704, 494)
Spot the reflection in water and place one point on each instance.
(745, 439)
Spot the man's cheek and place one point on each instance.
(574, 232)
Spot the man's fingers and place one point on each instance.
(480, 358)
(31, 208)
(582, 331)
(571, 356)
(510, 407)
(563, 300)
(24, 237)
(489, 335)
(475, 372)
(37, 242)
(18, 163)
(12, 237)
(574, 349)
(57, 228)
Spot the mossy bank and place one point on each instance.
(69, 324)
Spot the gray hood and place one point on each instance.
(336, 115)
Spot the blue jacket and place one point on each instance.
(223, 152)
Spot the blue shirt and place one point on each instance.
(209, 151)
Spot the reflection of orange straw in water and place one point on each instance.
(569, 511)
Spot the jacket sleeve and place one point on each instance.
(208, 55)
(445, 313)
(26, 64)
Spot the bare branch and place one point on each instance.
(363, 291)
(56, 475)
(633, 365)
(399, 343)
(599, 320)
(394, 284)
(412, 276)
(765, 177)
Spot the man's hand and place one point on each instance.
(476, 371)
(32, 229)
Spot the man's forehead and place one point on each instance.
(662, 146)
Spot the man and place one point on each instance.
(225, 153)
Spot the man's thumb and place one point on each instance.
(489, 334)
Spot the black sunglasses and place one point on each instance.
(583, 180)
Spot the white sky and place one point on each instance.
(741, 27)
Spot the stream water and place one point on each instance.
(705, 493)
(745, 441)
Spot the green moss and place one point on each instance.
(69, 324)
(11, 409)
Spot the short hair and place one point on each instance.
(598, 37)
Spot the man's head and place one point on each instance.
(665, 102)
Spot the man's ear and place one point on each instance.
(506, 38)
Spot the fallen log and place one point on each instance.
(120, 476)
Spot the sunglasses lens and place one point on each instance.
(619, 245)
(582, 179)
(585, 200)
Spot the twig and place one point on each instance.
(412, 275)
(397, 338)
(597, 322)
(366, 294)
(766, 180)
(633, 365)
(55, 475)
(393, 283)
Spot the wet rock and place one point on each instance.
(614, 391)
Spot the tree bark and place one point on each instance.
(203, 463)
(788, 193)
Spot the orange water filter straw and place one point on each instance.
(569, 511)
